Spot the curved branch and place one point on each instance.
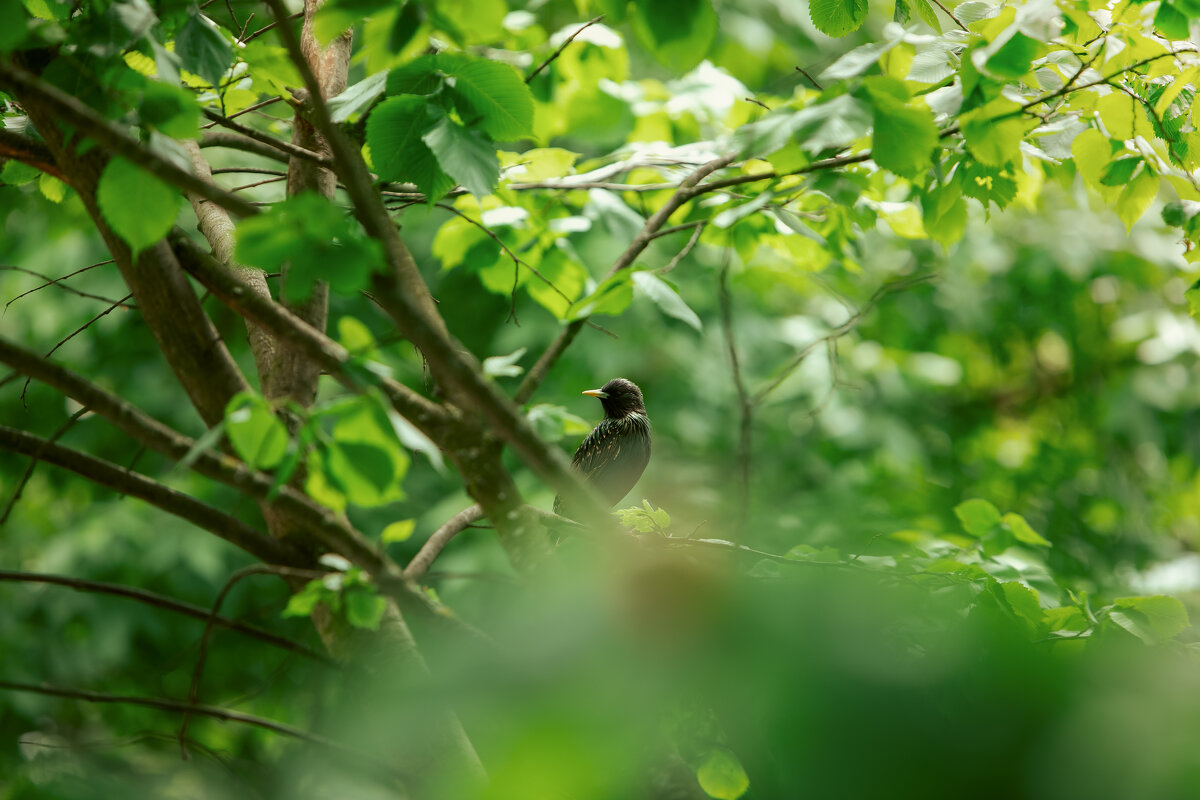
(441, 537)
(168, 604)
(162, 704)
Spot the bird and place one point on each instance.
(614, 455)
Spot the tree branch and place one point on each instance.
(684, 192)
(167, 604)
(156, 494)
(117, 141)
(441, 537)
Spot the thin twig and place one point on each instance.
(167, 604)
(441, 537)
(287, 148)
(811, 79)
(687, 248)
(949, 14)
(745, 406)
(117, 304)
(246, 110)
(838, 332)
(163, 704)
(59, 283)
(562, 47)
(268, 27)
(33, 462)
(213, 615)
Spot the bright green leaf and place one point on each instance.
(364, 608)
(398, 531)
(258, 436)
(1023, 532)
(139, 207)
(721, 775)
(1152, 619)
(837, 17)
(465, 155)
(977, 516)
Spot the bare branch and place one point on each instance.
(285, 148)
(441, 537)
(562, 47)
(684, 192)
(213, 616)
(33, 462)
(167, 604)
(235, 141)
(163, 704)
(745, 406)
(156, 494)
(263, 104)
(113, 307)
(59, 283)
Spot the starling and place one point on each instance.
(615, 453)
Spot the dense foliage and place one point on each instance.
(295, 292)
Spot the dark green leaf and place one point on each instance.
(493, 95)
(139, 207)
(395, 134)
(465, 155)
(202, 49)
(677, 32)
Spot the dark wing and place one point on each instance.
(614, 455)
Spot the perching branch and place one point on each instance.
(562, 47)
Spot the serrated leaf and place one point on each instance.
(1152, 619)
(395, 134)
(494, 96)
(978, 516)
(663, 295)
(258, 436)
(357, 98)
(721, 776)
(202, 49)
(138, 206)
(465, 155)
(904, 135)
(837, 17)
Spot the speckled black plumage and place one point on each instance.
(615, 453)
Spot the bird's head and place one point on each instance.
(619, 397)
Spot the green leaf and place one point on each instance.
(494, 96)
(419, 76)
(978, 517)
(1011, 59)
(13, 25)
(1136, 197)
(1119, 172)
(398, 531)
(833, 124)
(303, 602)
(904, 135)
(465, 155)
(1023, 602)
(365, 459)
(1023, 532)
(52, 188)
(258, 436)
(837, 17)
(315, 240)
(395, 134)
(678, 33)
(612, 296)
(721, 775)
(202, 49)
(1152, 619)
(139, 207)
(357, 98)
(993, 133)
(1172, 22)
(364, 608)
(663, 295)
(171, 110)
(14, 173)
(553, 423)
(504, 366)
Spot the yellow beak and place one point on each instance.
(596, 393)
